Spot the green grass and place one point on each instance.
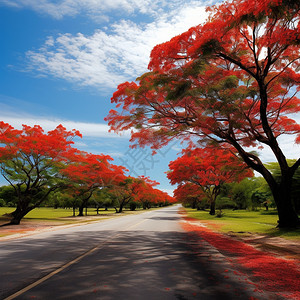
(57, 216)
(51, 213)
(44, 214)
(241, 222)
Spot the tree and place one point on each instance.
(232, 80)
(87, 172)
(124, 192)
(102, 199)
(209, 168)
(145, 193)
(190, 194)
(242, 193)
(138, 190)
(29, 161)
(7, 193)
(163, 198)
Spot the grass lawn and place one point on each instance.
(47, 217)
(58, 216)
(65, 216)
(241, 222)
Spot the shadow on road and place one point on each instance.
(133, 265)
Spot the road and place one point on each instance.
(143, 256)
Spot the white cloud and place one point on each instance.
(95, 130)
(288, 147)
(168, 191)
(92, 8)
(105, 59)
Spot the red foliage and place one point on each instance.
(189, 193)
(233, 80)
(91, 170)
(141, 190)
(30, 160)
(32, 141)
(244, 52)
(208, 169)
(270, 273)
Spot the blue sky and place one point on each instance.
(61, 60)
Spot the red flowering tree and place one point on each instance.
(124, 192)
(145, 193)
(233, 80)
(140, 190)
(189, 193)
(87, 172)
(163, 198)
(209, 168)
(29, 161)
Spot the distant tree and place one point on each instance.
(102, 198)
(8, 194)
(241, 192)
(87, 172)
(190, 194)
(209, 168)
(124, 192)
(29, 161)
(145, 193)
(139, 190)
(163, 198)
(60, 198)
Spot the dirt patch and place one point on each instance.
(29, 227)
(288, 249)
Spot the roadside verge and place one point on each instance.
(268, 271)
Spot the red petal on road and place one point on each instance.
(272, 273)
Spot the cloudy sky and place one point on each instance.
(61, 60)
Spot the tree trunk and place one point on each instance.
(281, 192)
(194, 202)
(120, 208)
(212, 195)
(19, 214)
(80, 209)
(287, 214)
(212, 207)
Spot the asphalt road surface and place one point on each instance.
(142, 256)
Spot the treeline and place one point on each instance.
(251, 194)
(102, 199)
(43, 168)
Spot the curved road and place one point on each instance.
(143, 256)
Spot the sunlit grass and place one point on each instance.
(242, 222)
(51, 213)
(44, 214)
